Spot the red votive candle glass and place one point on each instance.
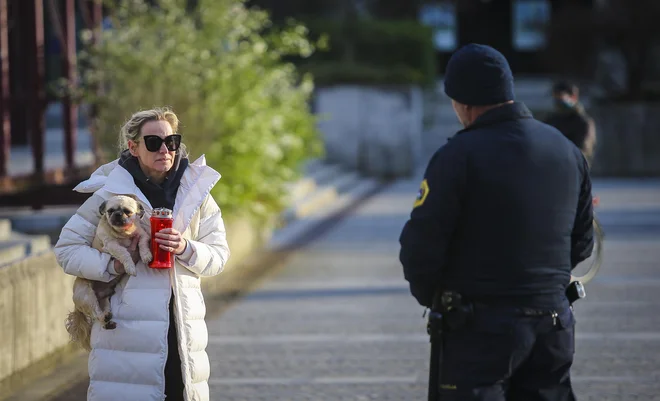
(160, 218)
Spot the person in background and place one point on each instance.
(572, 120)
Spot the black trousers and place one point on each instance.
(510, 354)
(174, 386)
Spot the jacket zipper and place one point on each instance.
(177, 314)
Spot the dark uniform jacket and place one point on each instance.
(577, 126)
(504, 212)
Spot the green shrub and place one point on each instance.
(239, 103)
(373, 52)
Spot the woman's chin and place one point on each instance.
(162, 167)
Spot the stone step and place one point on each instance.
(5, 229)
(11, 252)
(300, 189)
(330, 183)
(324, 173)
(18, 246)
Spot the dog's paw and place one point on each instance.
(108, 317)
(130, 268)
(146, 256)
(110, 325)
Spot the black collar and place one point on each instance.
(507, 112)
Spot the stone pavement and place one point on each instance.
(337, 322)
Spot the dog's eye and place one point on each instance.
(127, 212)
(110, 211)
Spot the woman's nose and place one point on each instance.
(163, 148)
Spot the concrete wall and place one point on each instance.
(35, 298)
(374, 130)
(628, 139)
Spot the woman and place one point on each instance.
(158, 347)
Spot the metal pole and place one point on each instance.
(96, 12)
(70, 109)
(36, 96)
(5, 127)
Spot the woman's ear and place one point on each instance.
(132, 147)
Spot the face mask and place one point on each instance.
(564, 103)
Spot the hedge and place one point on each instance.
(372, 52)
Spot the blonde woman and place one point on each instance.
(158, 347)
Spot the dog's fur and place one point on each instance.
(118, 225)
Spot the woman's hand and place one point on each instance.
(170, 240)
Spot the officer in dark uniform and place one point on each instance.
(570, 118)
(503, 214)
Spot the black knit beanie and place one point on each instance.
(478, 75)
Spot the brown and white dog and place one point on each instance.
(119, 224)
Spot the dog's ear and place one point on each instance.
(140, 210)
(102, 208)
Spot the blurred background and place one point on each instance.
(306, 107)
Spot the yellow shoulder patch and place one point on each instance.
(422, 194)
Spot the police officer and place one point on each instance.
(502, 216)
(570, 118)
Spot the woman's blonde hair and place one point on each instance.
(131, 128)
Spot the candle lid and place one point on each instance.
(162, 212)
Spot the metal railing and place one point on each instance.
(23, 110)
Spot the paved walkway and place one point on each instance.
(337, 322)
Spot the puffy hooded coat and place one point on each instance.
(128, 363)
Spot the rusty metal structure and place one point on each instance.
(23, 96)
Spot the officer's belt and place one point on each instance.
(558, 302)
(519, 310)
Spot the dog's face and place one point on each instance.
(121, 212)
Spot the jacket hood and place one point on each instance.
(99, 177)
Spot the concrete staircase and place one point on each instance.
(15, 246)
(322, 186)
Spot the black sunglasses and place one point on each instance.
(154, 142)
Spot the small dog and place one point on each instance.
(118, 225)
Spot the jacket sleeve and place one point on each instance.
(582, 236)
(73, 249)
(426, 236)
(210, 250)
(590, 140)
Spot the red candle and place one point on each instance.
(160, 218)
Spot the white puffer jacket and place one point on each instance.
(128, 363)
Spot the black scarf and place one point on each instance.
(159, 195)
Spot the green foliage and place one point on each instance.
(239, 103)
(373, 52)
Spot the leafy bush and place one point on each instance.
(372, 51)
(239, 103)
